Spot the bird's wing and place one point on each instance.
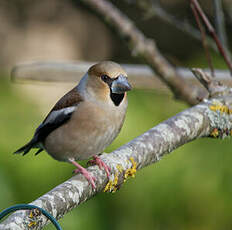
(60, 114)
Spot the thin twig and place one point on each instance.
(155, 10)
(213, 86)
(213, 33)
(203, 38)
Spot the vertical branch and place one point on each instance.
(203, 38)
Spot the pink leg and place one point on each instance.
(84, 172)
(96, 160)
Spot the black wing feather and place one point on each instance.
(47, 127)
(43, 131)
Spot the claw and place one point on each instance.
(84, 172)
(96, 160)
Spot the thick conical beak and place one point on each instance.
(120, 85)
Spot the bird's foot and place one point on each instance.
(96, 160)
(85, 173)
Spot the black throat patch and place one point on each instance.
(116, 98)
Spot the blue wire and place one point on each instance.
(29, 206)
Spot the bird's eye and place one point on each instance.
(105, 78)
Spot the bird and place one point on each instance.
(85, 120)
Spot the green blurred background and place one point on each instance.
(189, 189)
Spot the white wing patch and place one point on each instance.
(54, 114)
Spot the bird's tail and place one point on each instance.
(27, 147)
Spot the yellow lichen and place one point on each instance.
(214, 133)
(31, 214)
(108, 186)
(224, 109)
(31, 224)
(119, 167)
(115, 183)
(112, 185)
(213, 108)
(131, 171)
(220, 107)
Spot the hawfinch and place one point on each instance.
(85, 120)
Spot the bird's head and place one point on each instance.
(108, 80)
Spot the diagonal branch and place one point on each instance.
(154, 9)
(145, 49)
(146, 149)
(209, 118)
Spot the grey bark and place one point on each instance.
(150, 147)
